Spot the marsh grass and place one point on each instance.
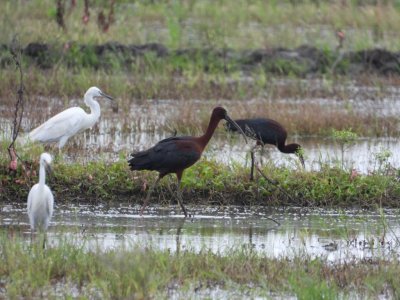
(207, 182)
(208, 74)
(296, 104)
(68, 268)
(219, 24)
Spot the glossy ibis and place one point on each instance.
(40, 198)
(70, 121)
(266, 131)
(175, 154)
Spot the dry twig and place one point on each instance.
(16, 53)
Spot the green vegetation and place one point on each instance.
(29, 271)
(200, 50)
(299, 115)
(208, 182)
(345, 138)
(216, 50)
(224, 23)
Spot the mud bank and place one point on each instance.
(302, 61)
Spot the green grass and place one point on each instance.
(207, 182)
(189, 23)
(27, 270)
(298, 115)
(208, 25)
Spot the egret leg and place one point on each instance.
(180, 199)
(148, 195)
(62, 142)
(44, 240)
(32, 237)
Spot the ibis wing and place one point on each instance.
(169, 155)
(269, 131)
(262, 129)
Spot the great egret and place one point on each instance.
(70, 121)
(40, 198)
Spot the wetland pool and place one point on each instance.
(337, 236)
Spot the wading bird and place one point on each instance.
(40, 198)
(175, 154)
(266, 131)
(70, 121)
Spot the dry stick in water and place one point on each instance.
(275, 183)
(19, 105)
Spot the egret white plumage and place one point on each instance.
(70, 121)
(40, 198)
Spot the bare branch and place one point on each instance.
(16, 53)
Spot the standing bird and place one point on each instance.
(40, 198)
(70, 121)
(266, 131)
(175, 154)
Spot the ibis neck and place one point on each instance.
(42, 175)
(205, 138)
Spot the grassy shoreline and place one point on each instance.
(209, 183)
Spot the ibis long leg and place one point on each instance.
(252, 162)
(252, 165)
(146, 201)
(180, 199)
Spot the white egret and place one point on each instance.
(70, 121)
(40, 198)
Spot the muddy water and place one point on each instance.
(334, 235)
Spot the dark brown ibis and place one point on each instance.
(175, 154)
(266, 131)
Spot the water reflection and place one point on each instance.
(336, 236)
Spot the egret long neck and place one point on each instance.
(205, 138)
(42, 175)
(94, 109)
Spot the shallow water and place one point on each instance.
(147, 123)
(365, 155)
(333, 235)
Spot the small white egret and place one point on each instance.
(40, 198)
(70, 121)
